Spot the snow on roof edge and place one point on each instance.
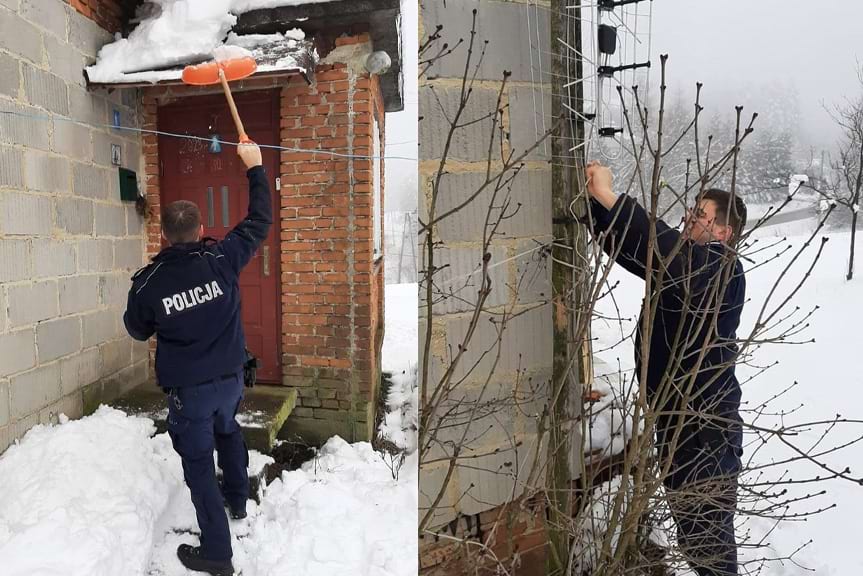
(173, 77)
(183, 33)
(283, 56)
(243, 6)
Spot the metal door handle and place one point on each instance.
(266, 257)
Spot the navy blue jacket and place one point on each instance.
(189, 297)
(690, 285)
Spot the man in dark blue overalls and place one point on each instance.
(700, 286)
(189, 297)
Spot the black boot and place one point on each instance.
(190, 557)
(237, 513)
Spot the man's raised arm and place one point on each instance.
(241, 242)
(630, 224)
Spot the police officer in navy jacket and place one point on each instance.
(189, 297)
(700, 285)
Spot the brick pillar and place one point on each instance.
(151, 173)
(152, 189)
(331, 286)
(106, 13)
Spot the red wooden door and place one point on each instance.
(216, 181)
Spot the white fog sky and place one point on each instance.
(735, 46)
(401, 127)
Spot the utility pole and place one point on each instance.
(821, 176)
(571, 363)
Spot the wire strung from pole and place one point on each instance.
(541, 73)
(540, 246)
(532, 78)
(201, 138)
(536, 50)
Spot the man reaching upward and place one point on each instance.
(699, 288)
(189, 297)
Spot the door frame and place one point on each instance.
(273, 138)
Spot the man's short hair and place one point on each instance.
(181, 221)
(727, 212)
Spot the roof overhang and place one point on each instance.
(274, 59)
(321, 21)
(287, 72)
(382, 17)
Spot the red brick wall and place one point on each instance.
(106, 13)
(377, 295)
(331, 287)
(514, 533)
(152, 190)
(151, 172)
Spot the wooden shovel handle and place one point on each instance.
(244, 138)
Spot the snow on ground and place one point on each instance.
(84, 497)
(323, 520)
(251, 419)
(346, 512)
(829, 383)
(101, 496)
(400, 352)
(610, 412)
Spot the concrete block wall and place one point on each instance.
(501, 446)
(68, 245)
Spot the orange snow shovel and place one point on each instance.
(223, 71)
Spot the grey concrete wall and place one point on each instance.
(68, 245)
(500, 446)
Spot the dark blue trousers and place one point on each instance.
(704, 514)
(202, 418)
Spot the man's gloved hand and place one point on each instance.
(250, 369)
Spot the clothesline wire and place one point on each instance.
(201, 138)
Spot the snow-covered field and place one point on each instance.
(829, 383)
(102, 496)
(400, 359)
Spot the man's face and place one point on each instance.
(701, 225)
